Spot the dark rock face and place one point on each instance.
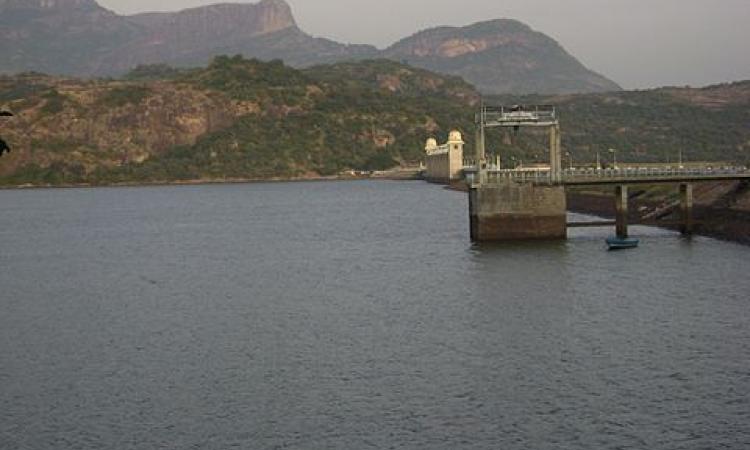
(79, 37)
(193, 36)
(500, 56)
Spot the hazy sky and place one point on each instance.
(637, 43)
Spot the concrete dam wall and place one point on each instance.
(445, 163)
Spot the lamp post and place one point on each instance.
(598, 161)
(614, 158)
(570, 160)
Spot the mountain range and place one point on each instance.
(81, 38)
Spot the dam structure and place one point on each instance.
(503, 209)
(531, 204)
(445, 163)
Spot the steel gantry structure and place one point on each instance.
(516, 117)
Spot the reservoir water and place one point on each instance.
(351, 316)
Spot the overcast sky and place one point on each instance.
(637, 43)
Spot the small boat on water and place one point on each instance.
(618, 243)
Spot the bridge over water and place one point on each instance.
(522, 204)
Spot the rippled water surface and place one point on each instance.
(351, 316)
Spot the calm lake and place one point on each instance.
(356, 315)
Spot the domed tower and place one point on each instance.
(456, 142)
(455, 155)
(445, 163)
(431, 146)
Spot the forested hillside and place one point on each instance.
(236, 119)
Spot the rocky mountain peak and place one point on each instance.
(264, 17)
(273, 15)
(452, 42)
(218, 21)
(500, 56)
(48, 5)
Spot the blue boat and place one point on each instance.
(618, 243)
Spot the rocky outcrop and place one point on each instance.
(104, 124)
(500, 56)
(193, 36)
(211, 26)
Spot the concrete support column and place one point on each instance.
(555, 153)
(517, 212)
(686, 208)
(481, 154)
(478, 146)
(480, 143)
(474, 208)
(621, 210)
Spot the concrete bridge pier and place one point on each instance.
(686, 208)
(621, 210)
(510, 211)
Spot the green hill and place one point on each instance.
(236, 119)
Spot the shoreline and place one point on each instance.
(398, 176)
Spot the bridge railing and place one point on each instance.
(590, 174)
(534, 175)
(651, 172)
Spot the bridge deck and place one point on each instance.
(652, 180)
(629, 176)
